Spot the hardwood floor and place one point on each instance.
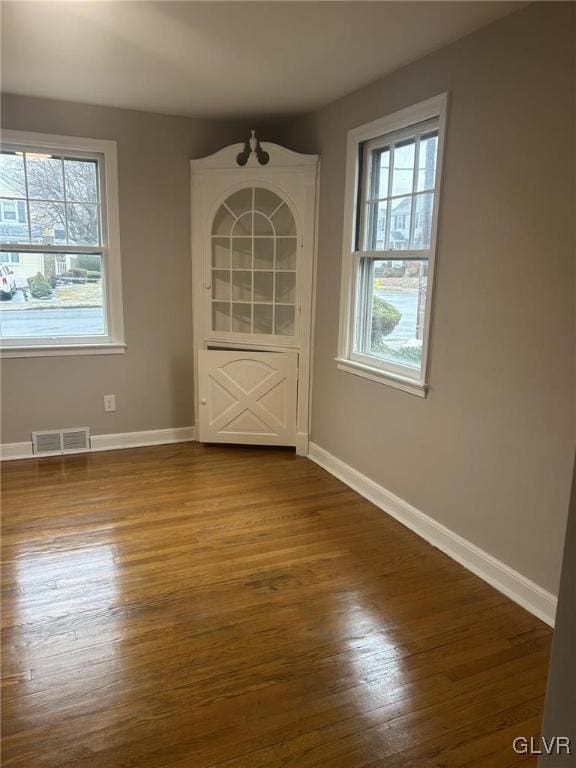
(191, 606)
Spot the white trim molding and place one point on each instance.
(142, 439)
(63, 350)
(361, 142)
(367, 372)
(12, 451)
(114, 442)
(514, 585)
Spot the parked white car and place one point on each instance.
(7, 282)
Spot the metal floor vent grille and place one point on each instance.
(58, 441)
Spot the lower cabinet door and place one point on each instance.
(247, 397)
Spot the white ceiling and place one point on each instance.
(221, 59)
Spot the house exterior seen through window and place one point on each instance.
(391, 221)
(59, 275)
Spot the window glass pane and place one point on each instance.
(242, 286)
(266, 201)
(242, 252)
(222, 222)
(51, 294)
(285, 287)
(243, 225)
(262, 225)
(376, 226)
(221, 252)
(397, 301)
(81, 181)
(264, 286)
(403, 173)
(242, 318)
(240, 202)
(424, 206)
(45, 178)
(263, 318)
(284, 321)
(221, 316)
(221, 284)
(12, 180)
(283, 221)
(427, 161)
(264, 253)
(83, 224)
(286, 253)
(48, 223)
(380, 172)
(400, 217)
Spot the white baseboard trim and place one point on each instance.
(141, 439)
(505, 579)
(12, 451)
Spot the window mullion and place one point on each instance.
(363, 303)
(65, 201)
(369, 302)
(388, 206)
(414, 185)
(364, 211)
(46, 248)
(27, 192)
(396, 254)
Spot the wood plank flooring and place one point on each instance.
(189, 607)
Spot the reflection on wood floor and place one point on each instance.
(188, 606)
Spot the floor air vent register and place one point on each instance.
(59, 441)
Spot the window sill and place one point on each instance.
(60, 350)
(383, 377)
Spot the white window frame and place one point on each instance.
(106, 154)
(401, 377)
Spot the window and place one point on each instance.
(9, 258)
(59, 235)
(392, 198)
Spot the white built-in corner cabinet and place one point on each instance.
(253, 244)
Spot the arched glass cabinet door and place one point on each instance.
(253, 265)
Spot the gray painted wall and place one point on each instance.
(153, 379)
(489, 452)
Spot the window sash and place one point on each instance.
(365, 196)
(361, 315)
(62, 154)
(68, 339)
(396, 254)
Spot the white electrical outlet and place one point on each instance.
(109, 403)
